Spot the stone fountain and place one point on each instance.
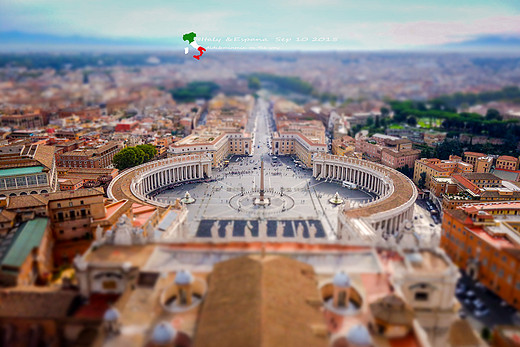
(336, 199)
(187, 199)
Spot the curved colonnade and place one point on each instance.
(140, 182)
(383, 216)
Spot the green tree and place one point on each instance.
(492, 114)
(253, 83)
(485, 333)
(149, 150)
(385, 111)
(406, 170)
(125, 158)
(370, 121)
(427, 152)
(377, 123)
(448, 147)
(140, 155)
(421, 106)
(422, 180)
(412, 121)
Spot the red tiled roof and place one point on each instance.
(96, 307)
(507, 157)
(475, 153)
(466, 183)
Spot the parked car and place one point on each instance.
(471, 295)
(479, 304)
(481, 312)
(461, 289)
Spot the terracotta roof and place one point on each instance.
(7, 216)
(498, 194)
(73, 194)
(475, 154)
(27, 201)
(253, 301)
(27, 155)
(90, 152)
(402, 153)
(466, 183)
(35, 302)
(71, 181)
(507, 157)
(480, 176)
(45, 155)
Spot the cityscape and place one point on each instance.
(193, 184)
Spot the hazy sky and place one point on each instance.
(365, 24)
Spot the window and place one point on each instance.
(42, 179)
(421, 296)
(20, 181)
(71, 204)
(109, 285)
(31, 180)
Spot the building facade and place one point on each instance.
(506, 162)
(436, 168)
(484, 241)
(216, 143)
(99, 156)
(295, 143)
(27, 169)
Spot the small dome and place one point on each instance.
(414, 258)
(341, 279)
(163, 333)
(358, 335)
(111, 315)
(183, 277)
(127, 266)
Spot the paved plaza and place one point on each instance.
(309, 198)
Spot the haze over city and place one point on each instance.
(360, 25)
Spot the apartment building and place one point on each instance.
(506, 162)
(217, 143)
(484, 240)
(436, 168)
(91, 156)
(27, 169)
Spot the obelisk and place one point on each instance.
(262, 182)
(262, 200)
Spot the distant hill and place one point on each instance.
(23, 40)
(487, 42)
